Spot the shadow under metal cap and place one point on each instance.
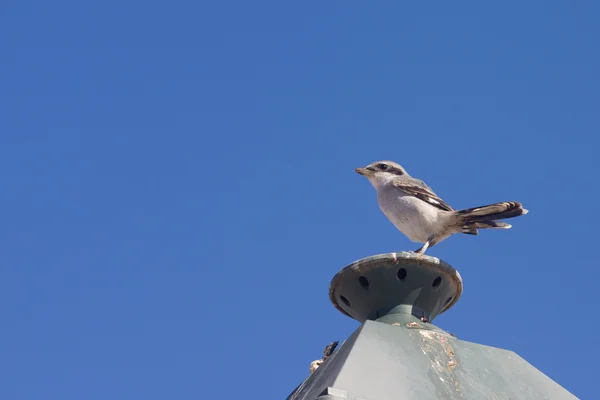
(395, 283)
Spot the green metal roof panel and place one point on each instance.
(389, 362)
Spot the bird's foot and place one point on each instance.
(421, 250)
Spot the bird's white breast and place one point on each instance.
(412, 216)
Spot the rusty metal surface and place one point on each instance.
(409, 359)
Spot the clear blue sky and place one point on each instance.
(178, 186)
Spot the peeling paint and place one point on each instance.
(438, 348)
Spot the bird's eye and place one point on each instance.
(382, 167)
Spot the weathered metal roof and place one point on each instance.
(398, 354)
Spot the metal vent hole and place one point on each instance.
(364, 282)
(345, 300)
(401, 274)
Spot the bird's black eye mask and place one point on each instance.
(385, 168)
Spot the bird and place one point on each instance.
(326, 353)
(421, 215)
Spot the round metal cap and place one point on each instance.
(391, 283)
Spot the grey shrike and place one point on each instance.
(421, 215)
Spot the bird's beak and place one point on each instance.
(362, 171)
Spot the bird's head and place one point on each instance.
(381, 172)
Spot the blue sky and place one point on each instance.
(178, 185)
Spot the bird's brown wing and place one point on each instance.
(421, 191)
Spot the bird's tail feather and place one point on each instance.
(484, 217)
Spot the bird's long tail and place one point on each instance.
(485, 217)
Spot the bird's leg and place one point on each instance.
(422, 249)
